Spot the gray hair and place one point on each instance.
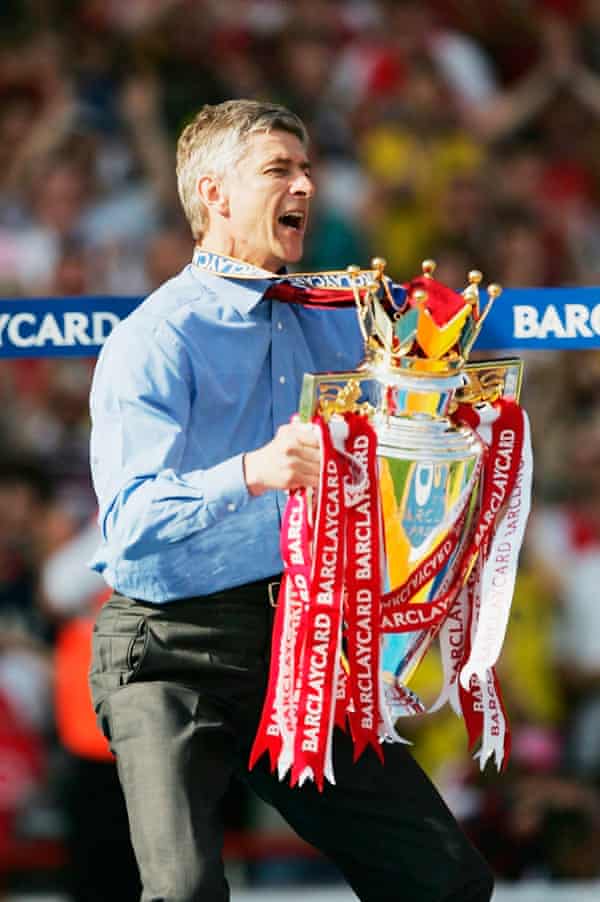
(215, 141)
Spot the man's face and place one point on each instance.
(268, 195)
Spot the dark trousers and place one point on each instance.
(97, 833)
(179, 689)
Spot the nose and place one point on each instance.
(302, 185)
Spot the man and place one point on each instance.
(193, 448)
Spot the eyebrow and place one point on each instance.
(305, 165)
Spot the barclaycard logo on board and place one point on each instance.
(556, 321)
(531, 325)
(69, 329)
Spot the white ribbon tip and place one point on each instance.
(465, 678)
(339, 431)
(467, 674)
(307, 774)
(485, 753)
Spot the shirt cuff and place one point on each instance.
(225, 490)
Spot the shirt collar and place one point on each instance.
(246, 284)
(243, 294)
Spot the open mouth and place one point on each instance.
(293, 219)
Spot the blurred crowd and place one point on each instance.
(464, 131)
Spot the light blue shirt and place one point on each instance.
(203, 371)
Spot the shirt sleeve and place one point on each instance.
(140, 404)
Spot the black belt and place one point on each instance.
(247, 591)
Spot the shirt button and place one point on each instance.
(231, 507)
(282, 380)
(280, 326)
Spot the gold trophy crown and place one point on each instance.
(431, 331)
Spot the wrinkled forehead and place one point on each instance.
(263, 146)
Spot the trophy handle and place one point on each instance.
(331, 392)
(489, 380)
(485, 380)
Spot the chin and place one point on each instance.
(293, 256)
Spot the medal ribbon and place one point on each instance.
(320, 290)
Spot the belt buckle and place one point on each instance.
(272, 589)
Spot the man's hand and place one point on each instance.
(290, 461)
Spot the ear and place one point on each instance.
(213, 194)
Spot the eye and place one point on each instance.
(277, 170)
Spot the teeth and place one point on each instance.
(292, 218)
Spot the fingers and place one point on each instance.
(299, 455)
(291, 460)
(306, 433)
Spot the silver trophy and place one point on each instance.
(413, 376)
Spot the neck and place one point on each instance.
(229, 247)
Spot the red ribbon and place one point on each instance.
(322, 621)
(363, 584)
(330, 576)
(278, 714)
(319, 298)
